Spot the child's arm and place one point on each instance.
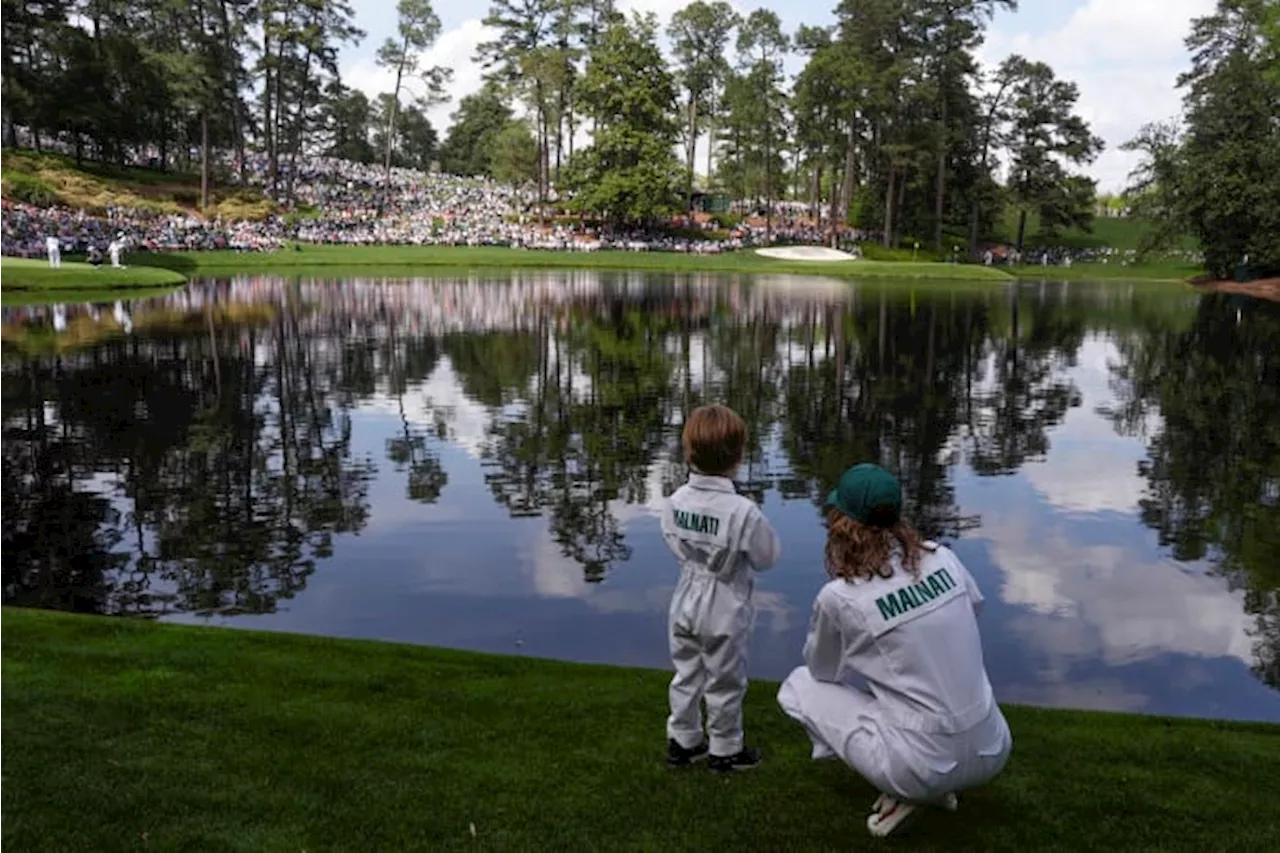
(762, 544)
(824, 647)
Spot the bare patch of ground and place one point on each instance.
(1263, 288)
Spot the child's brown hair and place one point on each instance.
(714, 439)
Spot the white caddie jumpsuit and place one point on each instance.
(53, 246)
(719, 537)
(895, 683)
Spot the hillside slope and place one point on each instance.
(50, 179)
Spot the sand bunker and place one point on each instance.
(805, 253)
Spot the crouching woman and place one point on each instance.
(895, 683)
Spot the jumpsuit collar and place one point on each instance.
(713, 484)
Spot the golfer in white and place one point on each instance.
(114, 249)
(54, 247)
(894, 682)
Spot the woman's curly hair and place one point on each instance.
(858, 551)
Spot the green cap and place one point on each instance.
(869, 494)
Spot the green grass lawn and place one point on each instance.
(343, 261)
(1156, 271)
(125, 735)
(23, 280)
(1115, 232)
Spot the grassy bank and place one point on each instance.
(1106, 232)
(53, 179)
(1164, 271)
(128, 735)
(352, 261)
(42, 341)
(23, 280)
(340, 261)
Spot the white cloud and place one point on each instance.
(1090, 469)
(1113, 603)
(1088, 478)
(1124, 56)
(440, 396)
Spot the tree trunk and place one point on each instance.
(299, 127)
(228, 46)
(711, 134)
(1022, 229)
(768, 192)
(391, 119)
(940, 198)
(559, 136)
(267, 90)
(564, 117)
(850, 171)
(986, 152)
(691, 145)
(540, 132)
(837, 183)
(815, 193)
(897, 208)
(275, 122)
(569, 118)
(768, 171)
(204, 160)
(889, 196)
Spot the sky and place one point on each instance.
(1125, 55)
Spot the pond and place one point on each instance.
(478, 461)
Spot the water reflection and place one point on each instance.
(1107, 459)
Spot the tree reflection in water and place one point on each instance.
(1205, 399)
(204, 463)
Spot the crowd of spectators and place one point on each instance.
(24, 228)
(324, 200)
(339, 202)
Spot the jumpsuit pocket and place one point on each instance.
(928, 756)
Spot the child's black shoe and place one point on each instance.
(744, 760)
(678, 756)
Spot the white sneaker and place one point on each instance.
(950, 802)
(891, 815)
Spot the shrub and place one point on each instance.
(30, 189)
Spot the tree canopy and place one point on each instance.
(891, 124)
(1216, 174)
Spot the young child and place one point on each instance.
(894, 682)
(719, 537)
